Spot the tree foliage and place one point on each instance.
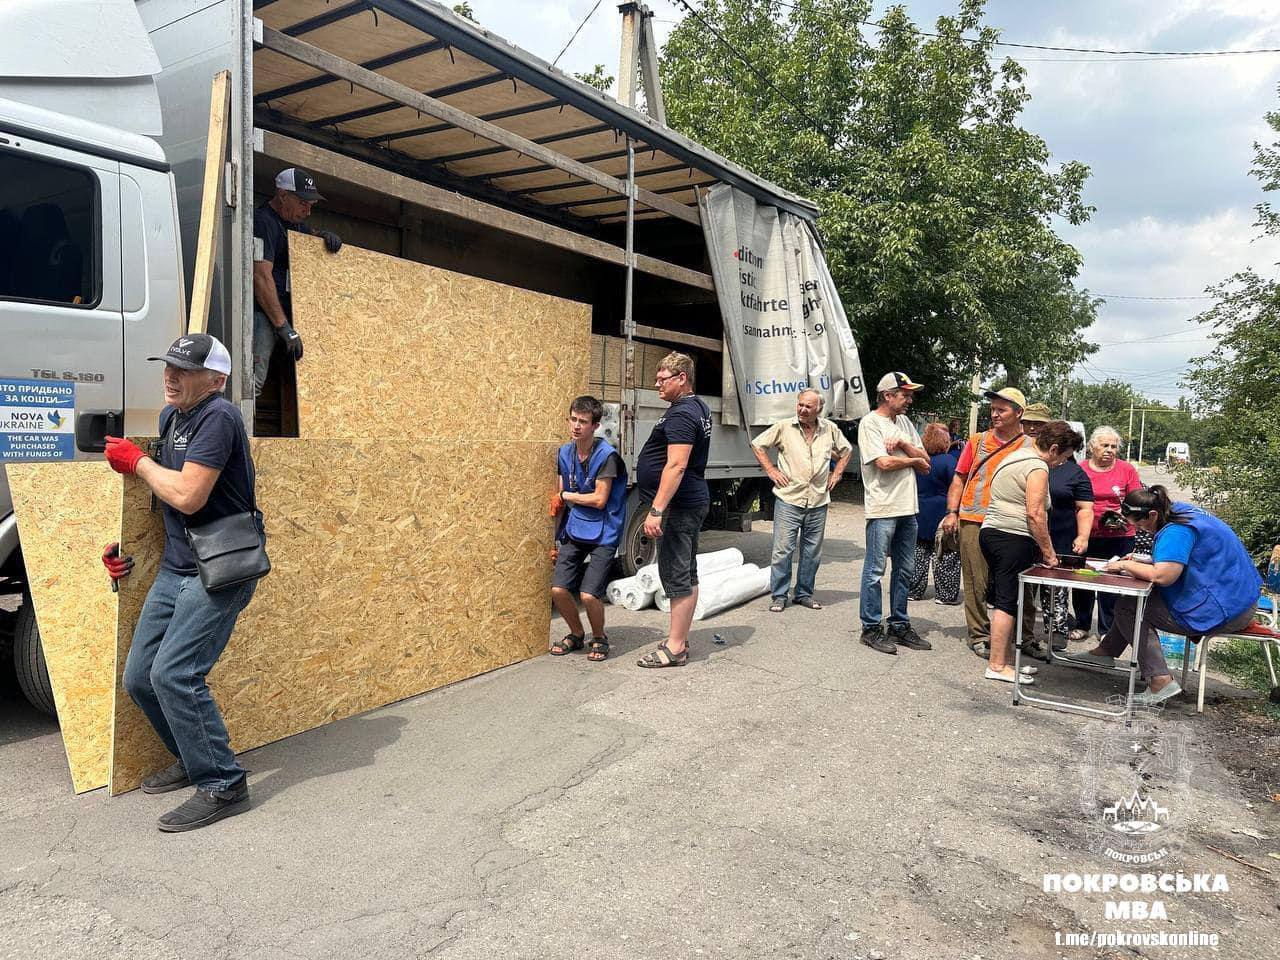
(597, 78)
(1239, 381)
(938, 208)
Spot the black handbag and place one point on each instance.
(231, 550)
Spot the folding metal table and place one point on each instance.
(1096, 582)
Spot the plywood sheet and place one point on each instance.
(397, 348)
(67, 512)
(399, 565)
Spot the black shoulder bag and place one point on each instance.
(231, 550)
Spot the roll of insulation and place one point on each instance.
(708, 563)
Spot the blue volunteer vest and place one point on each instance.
(1219, 582)
(587, 524)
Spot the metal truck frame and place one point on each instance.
(532, 201)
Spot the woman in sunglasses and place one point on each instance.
(1205, 583)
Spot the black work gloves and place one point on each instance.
(292, 342)
(332, 242)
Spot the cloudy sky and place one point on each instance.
(1169, 141)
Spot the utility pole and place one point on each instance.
(1066, 384)
(1143, 435)
(974, 386)
(639, 59)
(1128, 437)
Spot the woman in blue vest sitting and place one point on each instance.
(1205, 583)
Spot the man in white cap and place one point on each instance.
(287, 210)
(891, 452)
(202, 472)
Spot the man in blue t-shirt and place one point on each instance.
(669, 472)
(202, 472)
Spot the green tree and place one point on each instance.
(597, 78)
(938, 208)
(1239, 381)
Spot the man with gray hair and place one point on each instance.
(802, 484)
(202, 471)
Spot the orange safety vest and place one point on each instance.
(975, 498)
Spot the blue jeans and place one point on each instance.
(892, 539)
(791, 524)
(181, 633)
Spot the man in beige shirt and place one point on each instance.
(802, 483)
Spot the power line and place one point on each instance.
(576, 32)
(755, 70)
(1174, 54)
(1121, 296)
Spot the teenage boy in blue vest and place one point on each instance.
(593, 491)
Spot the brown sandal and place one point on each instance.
(663, 657)
(809, 602)
(598, 648)
(570, 643)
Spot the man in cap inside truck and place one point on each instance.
(287, 210)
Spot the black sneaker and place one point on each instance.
(172, 777)
(874, 638)
(907, 637)
(205, 807)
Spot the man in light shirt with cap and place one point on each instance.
(202, 471)
(968, 500)
(287, 210)
(891, 452)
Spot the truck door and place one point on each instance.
(61, 369)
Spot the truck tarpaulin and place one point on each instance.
(785, 327)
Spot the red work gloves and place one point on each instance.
(123, 455)
(118, 567)
(556, 505)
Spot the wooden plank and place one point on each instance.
(398, 92)
(675, 336)
(319, 160)
(215, 154)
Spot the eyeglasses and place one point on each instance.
(660, 379)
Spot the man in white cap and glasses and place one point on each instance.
(892, 453)
(287, 210)
(202, 471)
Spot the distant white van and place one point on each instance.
(1177, 453)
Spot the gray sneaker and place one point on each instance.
(172, 777)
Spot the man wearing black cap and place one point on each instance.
(202, 472)
(287, 210)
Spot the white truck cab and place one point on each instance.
(90, 284)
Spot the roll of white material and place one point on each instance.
(708, 563)
(739, 586)
(628, 594)
(711, 582)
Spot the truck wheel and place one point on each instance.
(28, 659)
(638, 550)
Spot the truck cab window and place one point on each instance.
(48, 227)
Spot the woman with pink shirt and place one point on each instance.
(1111, 536)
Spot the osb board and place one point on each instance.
(67, 512)
(399, 566)
(400, 349)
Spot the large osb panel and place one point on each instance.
(66, 513)
(398, 566)
(398, 348)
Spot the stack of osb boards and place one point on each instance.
(407, 525)
(608, 366)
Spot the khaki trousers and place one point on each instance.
(973, 568)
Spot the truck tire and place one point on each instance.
(638, 550)
(28, 660)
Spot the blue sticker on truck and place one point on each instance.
(37, 420)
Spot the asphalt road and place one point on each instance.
(789, 793)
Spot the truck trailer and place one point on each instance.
(432, 140)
